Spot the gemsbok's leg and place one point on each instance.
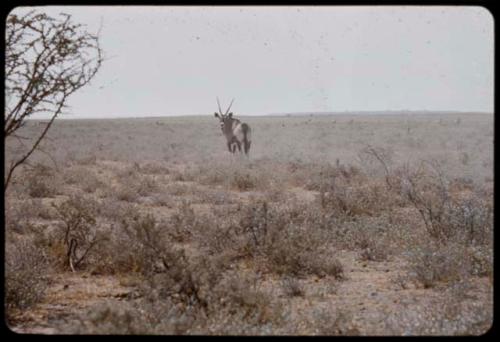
(247, 147)
(229, 146)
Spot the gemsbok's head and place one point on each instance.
(235, 131)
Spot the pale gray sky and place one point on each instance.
(176, 60)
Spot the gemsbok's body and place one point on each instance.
(237, 133)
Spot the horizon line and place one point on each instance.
(304, 113)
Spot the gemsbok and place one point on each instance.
(236, 132)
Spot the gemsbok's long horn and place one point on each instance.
(220, 110)
(228, 108)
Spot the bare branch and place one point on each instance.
(33, 148)
(46, 60)
(91, 245)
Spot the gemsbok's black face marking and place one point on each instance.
(236, 132)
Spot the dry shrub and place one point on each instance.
(221, 239)
(461, 184)
(154, 168)
(350, 200)
(327, 322)
(186, 300)
(471, 220)
(134, 243)
(373, 233)
(218, 234)
(206, 301)
(316, 177)
(78, 232)
(276, 195)
(481, 260)
(41, 181)
(189, 282)
(298, 173)
(132, 188)
(40, 188)
(84, 178)
(73, 174)
(431, 264)
(447, 217)
(216, 197)
(241, 298)
(425, 188)
(287, 241)
(295, 261)
(374, 236)
(177, 189)
(146, 185)
(243, 181)
(346, 192)
(292, 287)
(182, 223)
(207, 174)
(88, 160)
(114, 211)
(181, 280)
(178, 176)
(183, 295)
(16, 215)
(134, 184)
(164, 200)
(374, 250)
(451, 315)
(240, 176)
(32, 209)
(148, 246)
(26, 270)
(110, 318)
(124, 193)
(377, 160)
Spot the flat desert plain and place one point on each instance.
(333, 225)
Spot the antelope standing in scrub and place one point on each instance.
(236, 132)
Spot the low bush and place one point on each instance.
(287, 241)
(84, 178)
(133, 184)
(149, 248)
(110, 319)
(292, 287)
(432, 264)
(41, 181)
(182, 224)
(78, 232)
(26, 271)
(374, 250)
